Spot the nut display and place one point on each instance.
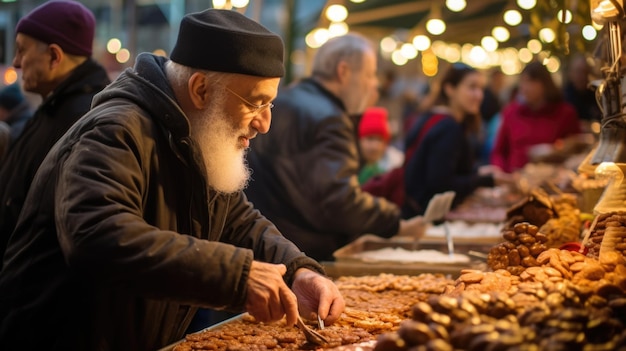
(523, 244)
(609, 234)
(570, 302)
(374, 305)
(535, 209)
(566, 227)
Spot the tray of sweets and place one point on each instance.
(243, 333)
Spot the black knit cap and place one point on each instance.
(227, 41)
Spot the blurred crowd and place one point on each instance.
(494, 126)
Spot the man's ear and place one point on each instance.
(199, 90)
(448, 89)
(343, 71)
(56, 55)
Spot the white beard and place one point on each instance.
(224, 158)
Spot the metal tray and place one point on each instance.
(213, 327)
(347, 262)
(363, 346)
(372, 242)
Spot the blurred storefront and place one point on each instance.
(128, 27)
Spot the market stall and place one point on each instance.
(528, 270)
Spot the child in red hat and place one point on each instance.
(374, 137)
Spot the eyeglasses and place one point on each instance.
(254, 108)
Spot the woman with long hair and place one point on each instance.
(440, 154)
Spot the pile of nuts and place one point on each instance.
(554, 316)
(536, 209)
(609, 234)
(375, 304)
(520, 250)
(566, 226)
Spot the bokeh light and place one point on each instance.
(336, 13)
(500, 33)
(122, 56)
(435, 26)
(421, 42)
(114, 45)
(512, 17)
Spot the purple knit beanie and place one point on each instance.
(68, 24)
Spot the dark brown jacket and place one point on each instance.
(118, 238)
(56, 114)
(305, 174)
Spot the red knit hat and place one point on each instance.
(374, 122)
(68, 24)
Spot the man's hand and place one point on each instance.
(413, 227)
(269, 298)
(317, 295)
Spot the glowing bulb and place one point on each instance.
(534, 46)
(525, 55)
(336, 13)
(219, 4)
(589, 32)
(239, 3)
(114, 45)
(408, 50)
(317, 37)
(388, 44)
(452, 53)
(489, 43)
(160, 52)
(10, 76)
(567, 18)
(435, 26)
(547, 35)
(552, 64)
(337, 29)
(421, 42)
(398, 58)
(456, 5)
(478, 54)
(526, 4)
(500, 33)
(122, 56)
(512, 17)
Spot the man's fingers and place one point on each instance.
(336, 309)
(289, 304)
(324, 303)
(282, 269)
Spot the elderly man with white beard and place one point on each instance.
(137, 217)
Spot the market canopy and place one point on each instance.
(474, 21)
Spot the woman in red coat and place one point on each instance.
(539, 115)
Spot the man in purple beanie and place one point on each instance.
(53, 50)
(137, 216)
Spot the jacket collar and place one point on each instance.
(88, 77)
(326, 92)
(147, 86)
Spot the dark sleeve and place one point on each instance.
(446, 150)
(246, 227)
(337, 201)
(102, 233)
